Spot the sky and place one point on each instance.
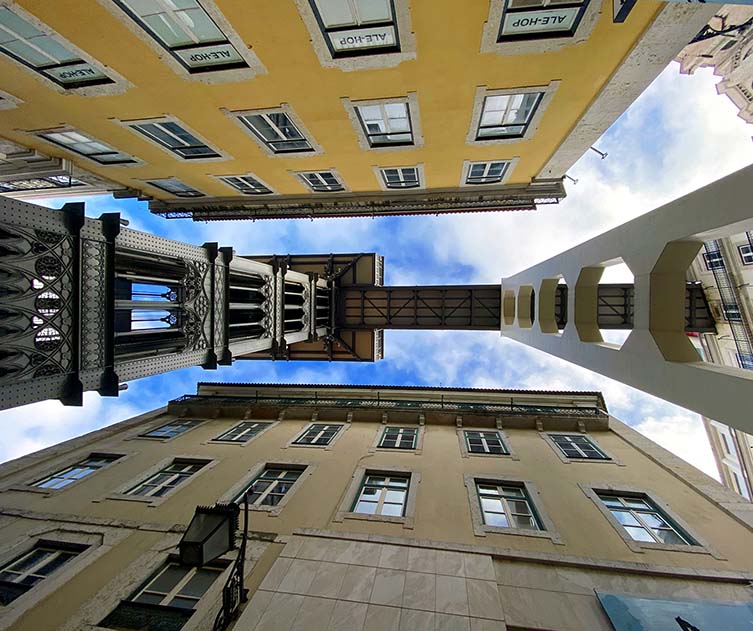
(677, 136)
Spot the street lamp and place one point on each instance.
(210, 534)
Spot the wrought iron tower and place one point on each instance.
(88, 304)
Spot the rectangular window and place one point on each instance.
(76, 472)
(40, 183)
(382, 495)
(85, 146)
(746, 254)
(537, 19)
(167, 479)
(643, 521)
(246, 184)
(322, 181)
(25, 571)
(399, 438)
(732, 313)
(175, 138)
(485, 443)
(271, 485)
(507, 115)
(171, 429)
(46, 53)
(386, 124)
(357, 27)
(401, 177)
(318, 434)
(506, 506)
(175, 187)
(577, 446)
(713, 260)
(487, 172)
(277, 132)
(177, 585)
(187, 32)
(243, 432)
(745, 360)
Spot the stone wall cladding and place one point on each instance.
(340, 585)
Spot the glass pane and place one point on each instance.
(167, 30)
(373, 11)
(167, 579)
(513, 491)
(519, 506)
(152, 599)
(670, 537)
(335, 13)
(491, 504)
(33, 558)
(199, 583)
(16, 24)
(201, 25)
(639, 534)
(54, 563)
(392, 510)
(395, 497)
(653, 520)
(635, 503)
(370, 493)
(521, 521)
(488, 489)
(625, 518)
(496, 519)
(368, 508)
(183, 602)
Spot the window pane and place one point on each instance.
(392, 510)
(395, 497)
(521, 521)
(167, 579)
(625, 518)
(373, 11)
(669, 537)
(369, 508)
(639, 534)
(496, 519)
(653, 520)
(199, 583)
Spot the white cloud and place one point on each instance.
(684, 436)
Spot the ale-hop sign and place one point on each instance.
(212, 55)
(75, 73)
(546, 21)
(382, 36)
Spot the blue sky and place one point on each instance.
(677, 136)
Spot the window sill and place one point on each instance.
(521, 532)
(407, 522)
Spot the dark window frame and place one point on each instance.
(399, 431)
(92, 156)
(139, 127)
(187, 194)
(403, 184)
(360, 52)
(517, 136)
(501, 38)
(271, 144)
(471, 180)
(602, 455)
(369, 135)
(172, 50)
(312, 429)
(505, 448)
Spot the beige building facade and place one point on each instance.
(726, 45)
(372, 508)
(724, 267)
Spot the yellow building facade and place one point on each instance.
(229, 109)
(372, 508)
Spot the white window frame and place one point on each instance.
(345, 510)
(275, 481)
(189, 423)
(547, 93)
(239, 117)
(168, 596)
(746, 253)
(700, 545)
(133, 126)
(410, 100)
(382, 177)
(535, 43)
(546, 529)
(340, 431)
(484, 441)
(177, 480)
(718, 258)
(250, 190)
(107, 459)
(160, 183)
(55, 547)
(366, 58)
(127, 161)
(469, 164)
(326, 188)
(109, 83)
(265, 426)
(576, 447)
